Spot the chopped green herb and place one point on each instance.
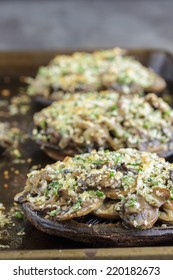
(139, 169)
(114, 107)
(127, 180)
(19, 215)
(54, 212)
(146, 125)
(42, 124)
(131, 202)
(56, 186)
(167, 113)
(81, 70)
(155, 183)
(118, 159)
(133, 164)
(111, 174)
(99, 193)
(99, 161)
(91, 192)
(77, 205)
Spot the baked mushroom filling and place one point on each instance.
(132, 186)
(99, 70)
(106, 120)
(8, 135)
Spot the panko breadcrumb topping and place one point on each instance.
(100, 70)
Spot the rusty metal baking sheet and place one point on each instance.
(21, 240)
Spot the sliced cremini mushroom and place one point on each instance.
(158, 196)
(115, 193)
(161, 194)
(107, 210)
(166, 212)
(80, 208)
(136, 212)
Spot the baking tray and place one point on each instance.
(35, 244)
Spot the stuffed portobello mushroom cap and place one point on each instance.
(127, 185)
(100, 70)
(105, 120)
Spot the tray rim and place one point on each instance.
(25, 53)
(130, 253)
(159, 252)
